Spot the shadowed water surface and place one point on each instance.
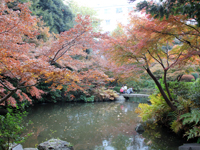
(91, 126)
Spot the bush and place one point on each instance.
(186, 119)
(193, 119)
(89, 99)
(11, 128)
(187, 90)
(196, 75)
(181, 89)
(195, 92)
(103, 94)
(158, 109)
(142, 84)
(117, 88)
(190, 122)
(61, 95)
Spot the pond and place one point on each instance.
(94, 126)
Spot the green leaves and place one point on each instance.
(172, 7)
(193, 117)
(54, 13)
(11, 127)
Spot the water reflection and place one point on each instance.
(88, 126)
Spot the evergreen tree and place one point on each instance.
(172, 7)
(54, 13)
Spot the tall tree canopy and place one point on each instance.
(83, 10)
(23, 64)
(146, 42)
(54, 13)
(190, 8)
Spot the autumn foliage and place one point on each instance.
(26, 61)
(147, 42)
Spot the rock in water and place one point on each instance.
(139, 129)
(120, 98)
(17, 147)
(55, 144)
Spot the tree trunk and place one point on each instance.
(179, 77)
(167, 100)
(166, 86)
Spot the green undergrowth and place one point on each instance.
(186, 119)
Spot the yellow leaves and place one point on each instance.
(138, 110)
(176, 126)
(59, 87)
(144, 111)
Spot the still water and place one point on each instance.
(94, 126)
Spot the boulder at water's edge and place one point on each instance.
(55, 144)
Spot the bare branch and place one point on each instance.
(64, 52)
(187, 25)
(7, 96)
(5, 86)
(64, 45)
(160, 62)
(175, 60)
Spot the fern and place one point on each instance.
(192, 133)
(176, 126)
(193, 117)
(157, 110)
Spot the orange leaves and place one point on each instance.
(16, 64)
(35, 92)
(62, 60)
(72, 97)
(147, 41)
(74, 41)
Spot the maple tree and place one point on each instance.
(15, 26)
(146, 42)
(60, 61)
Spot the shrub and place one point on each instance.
(89, 99)
(117, 88)
(187, 78)
(180, 89)
(187, 117)
(142, 84)
(103, 94)
(11, 128)
(196, 75)
(195, 92)
(157, 110)
(192, 120)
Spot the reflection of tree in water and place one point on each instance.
(162, 138)
(87, 125)
(137, 143)
(120, 142)
(123, 142)
(84, 125)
